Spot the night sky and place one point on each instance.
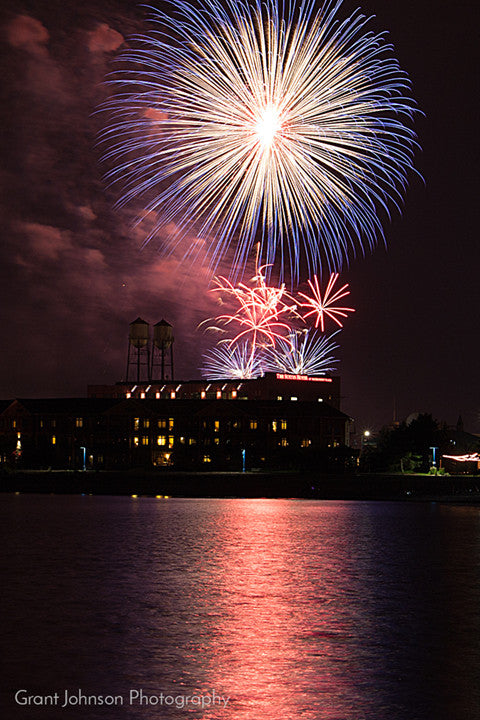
(73, 274)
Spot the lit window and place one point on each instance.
(284, 442)
(207, 459)
(274, 425)
(192, 441)
(162, 423)
(128, 395)
(306, 442)
(79, 422)
(136, 423)
(54, 439)
(14, 424)
(234, 394)
(41, 423)
(219, 394)
(283, 424)
(182, 440)
(203, 394)
(161, 440)
(146, 423)
(294, 398)
(279, 397)
(170, 423)
(253, 425)
(236, 424)
(216, 425)
(157, 396)
(171, 440)
(142, 396)
(145, 440)
(216, 441)
(172, 395)
(136, 441)
(320, 399)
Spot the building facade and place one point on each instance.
(272, 422)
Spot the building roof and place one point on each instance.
(65, 406)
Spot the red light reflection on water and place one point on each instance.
(283, 649)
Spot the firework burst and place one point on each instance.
(265, 334)
(239, 362)
(260, 315)
(325, 306)
(263, 121)
(305, 352)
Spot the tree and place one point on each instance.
(406, 447)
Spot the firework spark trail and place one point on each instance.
(263, 121)
(226, 362)
(305, 353)
(260, 315)
(325, 306)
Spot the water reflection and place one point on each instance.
(295, 610)
(272, 625)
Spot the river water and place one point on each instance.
(272, 609)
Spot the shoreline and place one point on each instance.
(272, 484)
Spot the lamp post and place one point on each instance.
(84, 457)
(365, 435)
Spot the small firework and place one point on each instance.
(261, 312)
(305, 353)
(238, 361)
(325, 306)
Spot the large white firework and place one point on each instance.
(257, 121)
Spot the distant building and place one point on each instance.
(151, 420)
(275, 421)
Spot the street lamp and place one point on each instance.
(84, 457)
(365, 435)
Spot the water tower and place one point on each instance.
(138, 361)
(162, 351)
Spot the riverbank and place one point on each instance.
(458, 488)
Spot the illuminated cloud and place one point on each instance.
(28, 34)
(104, 39)
(43, 76)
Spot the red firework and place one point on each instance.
(261, 311)
(326, 305)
